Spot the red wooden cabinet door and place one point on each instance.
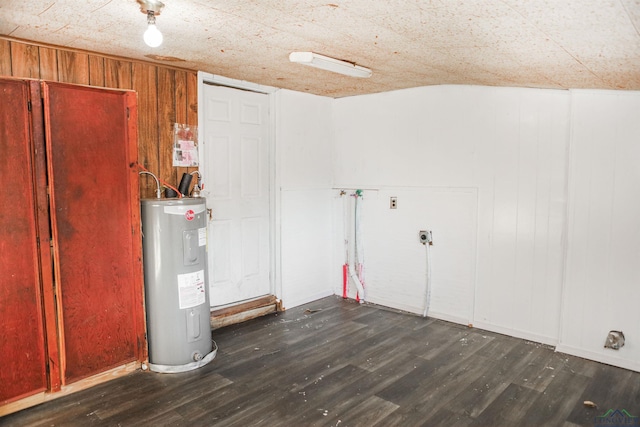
(95, 224)
(22, 346)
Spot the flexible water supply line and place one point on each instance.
(358, 255)
(356, 280)
(427, 296)
(158, 192)
(345, 235)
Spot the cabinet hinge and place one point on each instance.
(29, 105)
(127, 113)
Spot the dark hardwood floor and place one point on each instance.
(337, 363)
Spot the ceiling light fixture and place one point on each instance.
(153, 36)
(329, 64)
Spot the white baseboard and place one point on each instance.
(289, 303)
(517, 333)
(543, 339)
(419, 311)
(392, 304)
(600, 357)
(448, 318)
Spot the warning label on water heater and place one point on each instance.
(191, 289)
(202, 236)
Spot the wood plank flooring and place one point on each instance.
(335, 363)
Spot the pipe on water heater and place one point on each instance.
(158, 192)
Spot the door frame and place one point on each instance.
(204, 78)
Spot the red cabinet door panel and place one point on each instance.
(22, 348)
(97, 265)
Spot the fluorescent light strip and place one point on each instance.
(329, 64)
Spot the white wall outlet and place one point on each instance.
(393, 203)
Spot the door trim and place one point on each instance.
(274, 212)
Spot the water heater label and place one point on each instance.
(202, 236)
(191, 289)
(189, 215)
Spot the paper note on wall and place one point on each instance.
(191, 291)
(185, 148)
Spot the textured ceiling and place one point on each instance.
(407, 43)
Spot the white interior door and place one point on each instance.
(236, 177)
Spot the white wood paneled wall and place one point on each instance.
(602, 285)
(521, 176)
(510, 145)
(534, 265)
(303, 199)
(396, 261)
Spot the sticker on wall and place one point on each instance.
(191, 289)
(185, 146)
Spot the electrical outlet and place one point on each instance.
(393, 203)
(425, 237)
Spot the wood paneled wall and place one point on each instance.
(165, 96)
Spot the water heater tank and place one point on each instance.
(175, 277)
